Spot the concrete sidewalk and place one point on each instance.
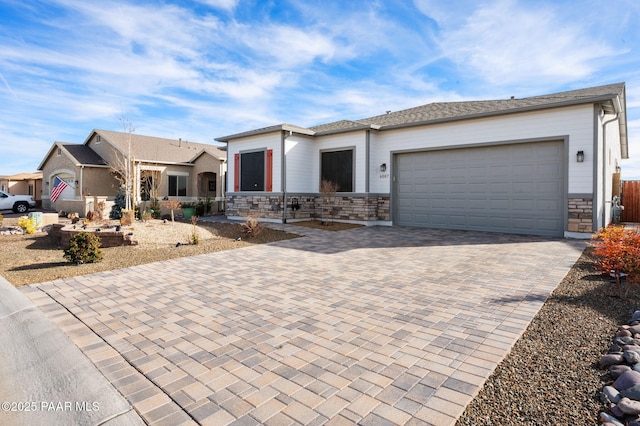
(374, 326)
(44, 378)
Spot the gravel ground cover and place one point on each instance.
(551, 376)
(30, 259)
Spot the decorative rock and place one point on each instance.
(615, 349)
(636, 367)
(634, 329)
(611, 359)
(623, 333)
(636, 316)
(608, 418)
(616, 370)
(631, 357)
(11, 230)
(626, 380)
(616, 411)
(629, 406)
(612, 394)
(623, 340)
(632, 393)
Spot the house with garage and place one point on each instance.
(95, 171)
(544, 165)
(23, 184)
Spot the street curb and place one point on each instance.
(44, 378)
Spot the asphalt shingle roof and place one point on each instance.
(149, 148)
(449, 111)
(84, 155)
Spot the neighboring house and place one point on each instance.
(23, 184)
(160, 168)
(543, 165)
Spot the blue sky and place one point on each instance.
(204, 69)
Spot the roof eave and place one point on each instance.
(53, 146)
(265, 130)
(573, 102)
(349, 129)
(167, 163)
(621, 103)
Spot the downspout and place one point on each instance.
(81, 179)
(367, 153)
(283, 174)
(604, 164)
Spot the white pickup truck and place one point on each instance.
(17, 203)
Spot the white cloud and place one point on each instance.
(221, 4)
(508, 42)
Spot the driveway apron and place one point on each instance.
(375, 326)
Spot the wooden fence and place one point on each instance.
(630, 201)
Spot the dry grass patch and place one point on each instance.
(29, 259)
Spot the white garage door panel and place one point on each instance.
(506, 188)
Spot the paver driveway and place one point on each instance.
(374, 325)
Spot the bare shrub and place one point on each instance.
(93, 216)
(252, 227)
(172, 204)
(328, 190)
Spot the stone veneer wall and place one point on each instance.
(359, 207)
(265, 206)
(580, 215)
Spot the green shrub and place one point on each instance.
(154, 208)
(84, 248)
(119, 204)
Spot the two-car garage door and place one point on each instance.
(517, 188)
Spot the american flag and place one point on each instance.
(58, 186)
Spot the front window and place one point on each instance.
(252, 168)
(337, 167)
(149, 181)
(177, 186)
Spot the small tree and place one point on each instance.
(618, 254)
(122, 164)
(119, 204)
(172, 204)
(194, 238)
(328, 190)
(84, 248)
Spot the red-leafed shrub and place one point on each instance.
(617, 250)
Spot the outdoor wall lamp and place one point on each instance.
(383, 167)
(580, 156)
